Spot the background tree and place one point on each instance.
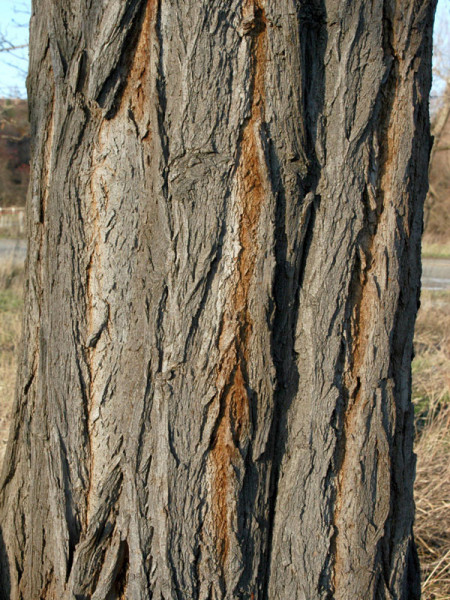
(223, 275)
(14, 152)
(437, 208)
(14, 125)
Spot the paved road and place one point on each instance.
(13, 250)
(436, 271)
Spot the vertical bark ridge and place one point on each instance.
(95, 326)
(297, 168)
(365, 307)
(16, 488)
(47, 161)
(356, 332)
(137, 87)
(99, 552)
(284, 356)
(406, 187)
(46, 176)
(368, 408)
(234, 427)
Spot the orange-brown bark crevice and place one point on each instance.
(135, 104)
(136, 96)
(236, 330)
(92, 270)
(46, 172)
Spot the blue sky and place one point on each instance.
(442, 31)
(13, 18)
(443, 8)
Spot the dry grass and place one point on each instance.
(431, 365)
(433, 506)
(431, 395)
(11, 283)
(435, 249)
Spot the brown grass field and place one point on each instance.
(431, 395)
(11, 284)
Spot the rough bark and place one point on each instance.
(223, 275)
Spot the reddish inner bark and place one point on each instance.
(232, 379)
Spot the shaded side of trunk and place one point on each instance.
(223, 275)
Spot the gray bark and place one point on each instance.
(224, 268)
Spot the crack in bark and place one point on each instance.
(133, 106)
(92, 276)
(120, 582)
(46, 175)
(135, 97)
(47, 156)
(234, 428)
(364, 297)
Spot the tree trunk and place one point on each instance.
(223, 275)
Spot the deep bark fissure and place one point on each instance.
(288, 278)
(233, 422)
(117, 80)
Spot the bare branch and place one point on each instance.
(11, 48)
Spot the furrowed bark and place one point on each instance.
(223, 275)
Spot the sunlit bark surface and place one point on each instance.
(223, 275)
